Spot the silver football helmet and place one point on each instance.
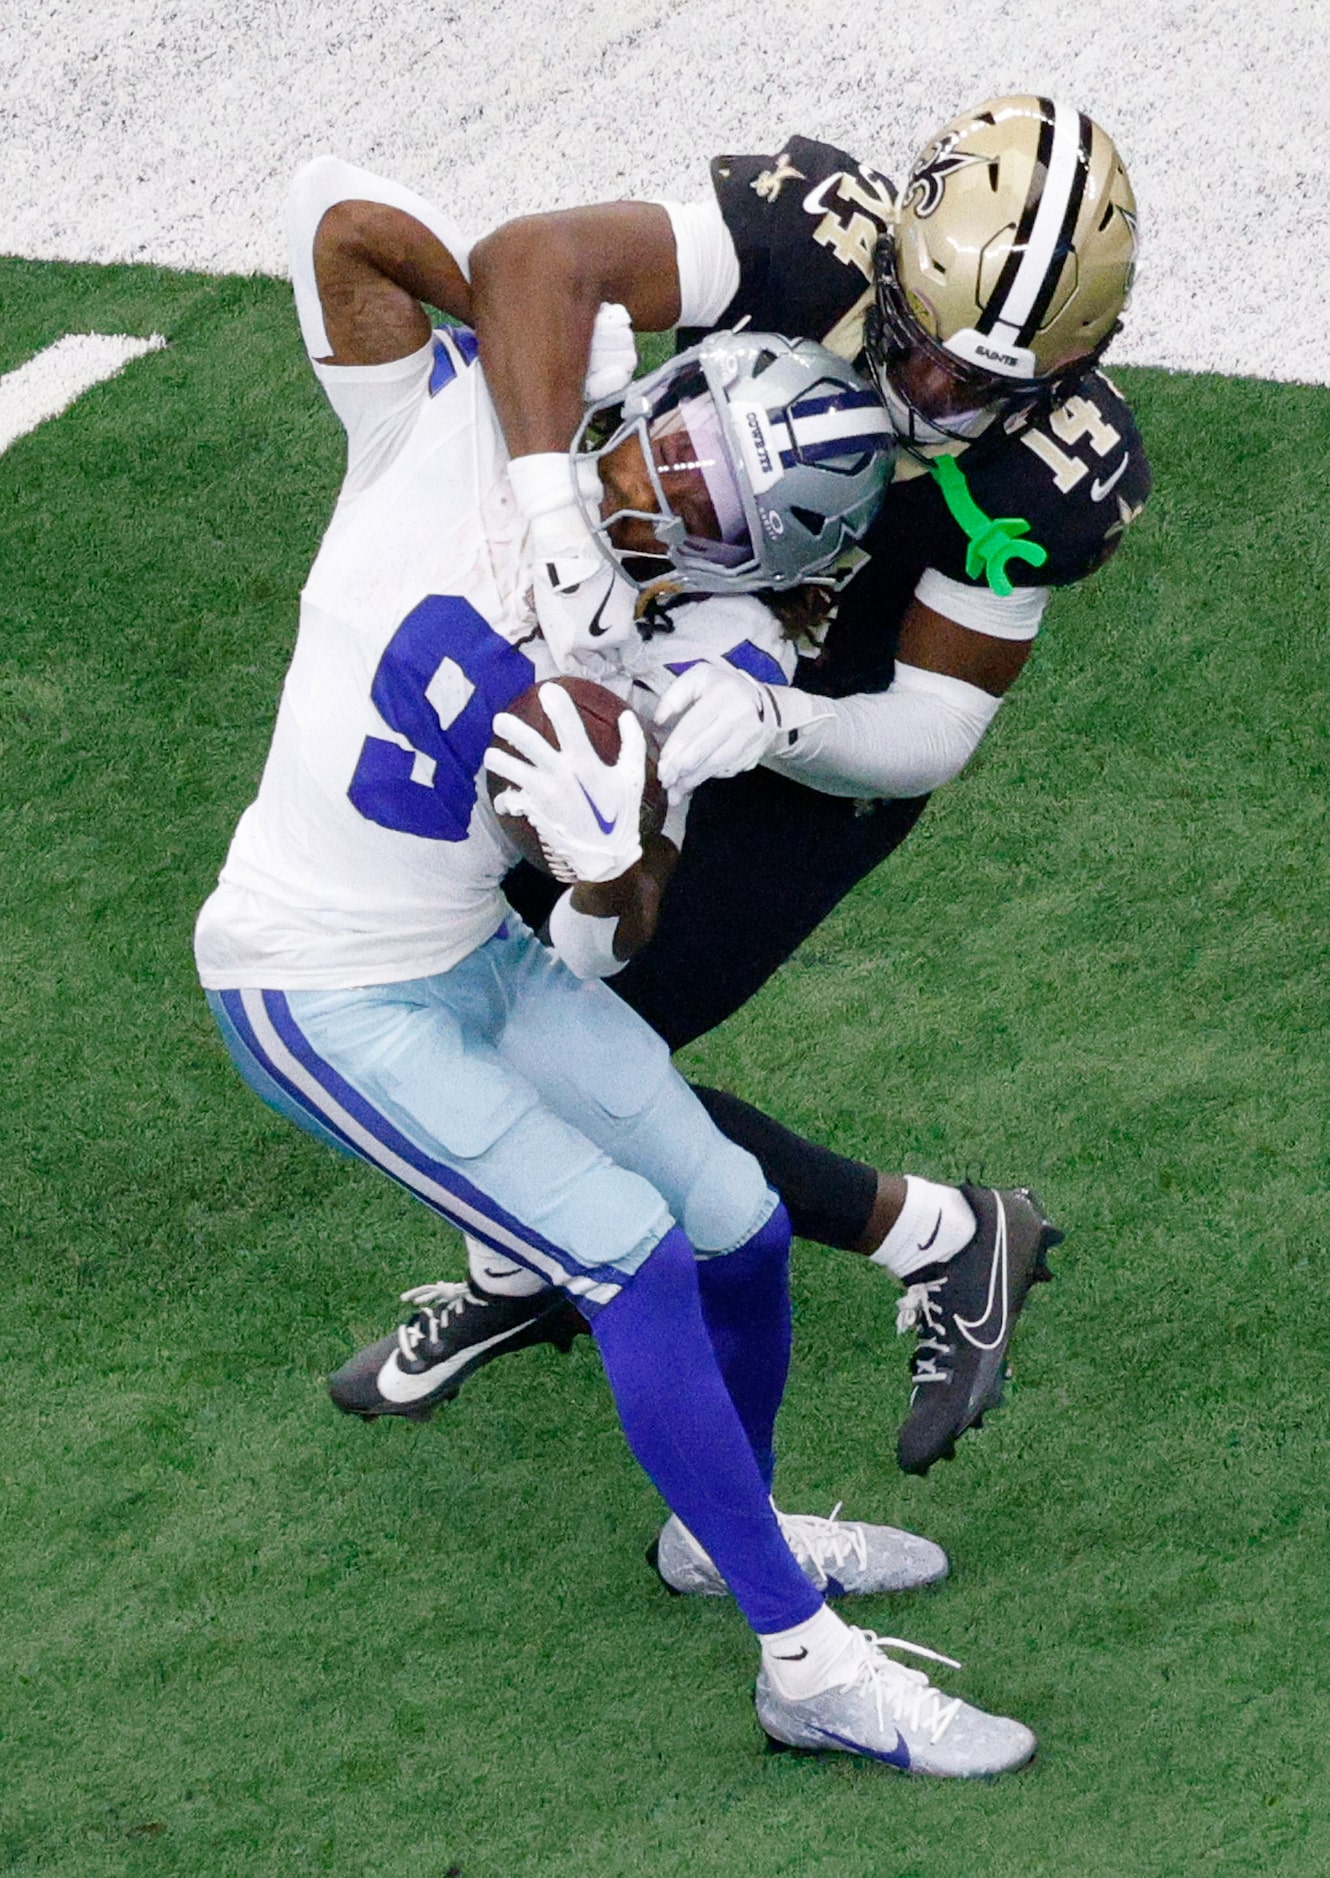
(749, 461)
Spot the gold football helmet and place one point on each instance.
(1011, 263)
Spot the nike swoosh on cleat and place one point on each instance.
(1098, 490)
(606, 828)
(976, 1331)
(398, 1385)
(924, 1244)
(899, 1756)
(798, 1657)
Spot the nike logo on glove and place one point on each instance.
(1098, 490)
(594, 626)
(980, 1332)
(606, 828)
(399, 1385)
(567, 589)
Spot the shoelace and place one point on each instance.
(823, 1542)
(438, 1302)
(907, 1693)
(920, 1309)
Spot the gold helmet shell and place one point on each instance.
(1016, 239)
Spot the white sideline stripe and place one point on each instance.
(51, 380)
(383, 1156)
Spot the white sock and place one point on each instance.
(491, 1272)
(935, 1223)
(814, 1655)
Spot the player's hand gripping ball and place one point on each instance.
(573, 780)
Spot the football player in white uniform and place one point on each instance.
(980, 298)
(373, 985)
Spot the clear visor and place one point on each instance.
(919, 379)
(942, 388)
(694, 478)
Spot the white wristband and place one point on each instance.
(584, 941)
(542, 483)
(676, 820)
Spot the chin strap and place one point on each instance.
(992, 543)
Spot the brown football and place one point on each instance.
(600, 712)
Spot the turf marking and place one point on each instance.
(54, 377)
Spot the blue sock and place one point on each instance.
(746, 1304)
(684, 1430)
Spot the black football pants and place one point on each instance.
(765, 861)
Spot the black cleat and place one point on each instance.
(963, 1312)
(455, 1331)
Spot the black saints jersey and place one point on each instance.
(804, 224)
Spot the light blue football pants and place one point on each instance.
(530, 1107)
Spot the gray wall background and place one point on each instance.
(136, 130)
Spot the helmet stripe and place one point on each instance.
(829, 448)
(835, 401)
(1016, 254)
(1057, 187)
(1066, 234)
(840, 424)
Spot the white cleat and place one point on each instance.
(840, 1556)
(892, 1714)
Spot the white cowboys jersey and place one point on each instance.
(371, 854)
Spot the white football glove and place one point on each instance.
(583, 604)
(587, 812)
(726, 722)
(612, 361)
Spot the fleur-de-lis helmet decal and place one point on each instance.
(923, 192)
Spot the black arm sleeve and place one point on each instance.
(804, 224)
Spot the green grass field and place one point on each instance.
(241, 1637)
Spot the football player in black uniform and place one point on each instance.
(980, 299)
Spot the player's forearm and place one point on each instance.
(905, 741)
(537, 285)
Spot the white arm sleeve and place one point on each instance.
(900, 742)
(1011, 616)
(708, 263)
